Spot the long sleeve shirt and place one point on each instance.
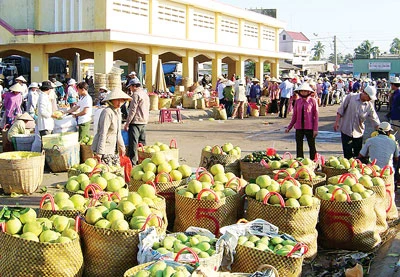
(45, 110)
(12, 104)
(31, 104)
(139, 108)
(310, 114)
(395, 109)
(286, 88)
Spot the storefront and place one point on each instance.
(377, 68)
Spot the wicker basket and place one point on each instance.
(21, 257)
(154, 102)
(171, 153)
(312, 182)
(86, 152)
(60, 159)
(132, 271)
(110, 252)
(230, 162)
(330, 171)
(53, 211)
(21, 175)
(250, 171)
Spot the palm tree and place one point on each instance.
(348, 58)
(340, 58)
(365, 49)
(319, 50)
(395, 46)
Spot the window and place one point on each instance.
(284, 37)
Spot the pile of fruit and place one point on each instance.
(345, 185)
(203, 246)
(132, 212)
(156, 147)
(91, 166)
(23, 223)
(226, 149)
(280, 245)
(164, 269)
(148, 169)
(212, 185)
(257, 156)
(339, 162)
(375, 133)
(58, 115)
(289, 192)
(87, 140)
(62, 201)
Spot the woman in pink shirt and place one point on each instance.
(305, 120)
(12, 103)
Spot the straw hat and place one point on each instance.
(34, 85)
(58, 84)
(117, 94)
(395, 80)
(2, 76)
(103, 88)
(240, 82)
(371, 91)
(304, 86)
(273, 79)
(285, 76)
(385, 127)
(21, 78)
(71, 82)
(255, 80)
(25, 116)
(17, 88)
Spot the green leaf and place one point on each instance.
(43, 189)
(393, 255)
(14, 195)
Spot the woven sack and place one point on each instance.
(164, 103)
(231, 163)
(207, 214)
(21, 257)
(86, 152)
(249, 259)
(263, 110)
(312, 182)
(61, 158)
(380, 208)
(188, 102)
(53, 211)
(21, 175)
(219, 113)
(132, 271)
(330, 171)
(200, 104)
(391, 208)
(153, 102)
(349, 225)
(176, 101)
(171, 153)
(250, 171)
(110, 252)
(298, 222)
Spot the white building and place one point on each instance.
(297, 44)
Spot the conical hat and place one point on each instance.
(304, 86)
(25, 116)
(21, 78)
(17, 87)
(117, 93)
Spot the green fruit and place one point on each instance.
(203, 255)
(249, 244)
(293, 192)
(203, 246)
(168, 271)
(242, 240)
(168, 242)
(306, 200)
(182, 237)
(254, 238)
(143, 273)
(276, 240)
(284, 250)
(291, 202)
(252, 189)
(156, 267)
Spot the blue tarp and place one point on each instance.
(167, 68)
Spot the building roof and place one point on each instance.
(297, 36)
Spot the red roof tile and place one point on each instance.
(297, 36)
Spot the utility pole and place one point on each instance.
(335, 53)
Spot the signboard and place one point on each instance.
(380, 66)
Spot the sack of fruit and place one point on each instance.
(147, 151)
(160, 268)
(258, 242)
(347, 222)
(262, 271)
(61, 204)
(336, 166)
(182, 247)
(297, 216)
(257, 163)
(31, 246)
(211, 207)
(227, 155)
(387, 174)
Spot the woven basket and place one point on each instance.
(248, 259)
(171, 153)
(348, 225)
(312, 182)
(21, 175)
(86, 152)
(330, 171)
(231, 163)
(132, 271)
(21, 257)
(380, 208)
(250, 171)
(60, 159)
(53, 211)
(208, 214)
(110, 252)
(391, 208)
(153, 102)
(298, 222)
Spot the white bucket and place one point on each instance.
(24, 142)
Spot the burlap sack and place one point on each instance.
(298, 222)
(349, 225)
(380, 208)
(231, 163)
(208, 214)
(21, 257)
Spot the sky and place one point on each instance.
(352, 21)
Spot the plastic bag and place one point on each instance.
(126, 163)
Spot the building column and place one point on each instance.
(275, 69)
(103, 58)
(239, 68)
(151, 68)
(231, 69)
(39, 64)
(188, 65)
(216, 69)
(259, 69)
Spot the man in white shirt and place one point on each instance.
(220, 90)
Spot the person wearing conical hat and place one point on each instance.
(305, 120)
(22, 81)
(108, 136)
(18, 128)
(33, 97)
(12, 103)
(274, 93)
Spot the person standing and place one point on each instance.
(326, 88)
(108, 137)
(356, 85)
(395, 105)
(286, 88)
(22, 81)
(45, 122)
(72, 93)
(33, 97)
(220, 89)
(138, 117)
(83, 110)
(305, 120)
(240, 98)
(12, 103)
(350, 118)
(229, 94)
(255, 91)
(381, 147)
(274, 92)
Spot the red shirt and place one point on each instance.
(310, 114)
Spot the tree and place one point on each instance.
(348, 58)
(365, 49)
(340, 58)
(395, 46)
(319, 50)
